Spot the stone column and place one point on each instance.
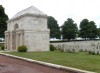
(13, 39)
(5, 41)
(21, 41)
(22, 38)
(7, 34)
(16, 40)
(9, 43)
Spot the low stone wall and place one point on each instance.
(2, 43)
(87, 46)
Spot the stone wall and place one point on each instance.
(36, 40)
(87, 46)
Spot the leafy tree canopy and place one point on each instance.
(69, 29)
(54, 28)
(88, 29)
(3, 19)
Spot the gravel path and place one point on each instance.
(12, 65)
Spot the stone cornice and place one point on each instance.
(27, 15)
(38, 31)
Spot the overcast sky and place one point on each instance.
(59, 9)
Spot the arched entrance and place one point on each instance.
(14, 36)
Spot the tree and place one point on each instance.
(69, 29)
(83, 28)
(99, 32)
(54, 28)
(92, 30)
(3, 19)
(88, 29)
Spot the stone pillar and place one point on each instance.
(22, 38)
(7, 35)
(21, 41)
(5, 41)
(9, 39)
(13, 39)
(16, 40)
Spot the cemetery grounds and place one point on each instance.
(80, 60)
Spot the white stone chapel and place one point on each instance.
(28, 27)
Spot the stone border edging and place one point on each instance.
(49, 64)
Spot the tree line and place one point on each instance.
(69, 30)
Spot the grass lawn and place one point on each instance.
(77, 60)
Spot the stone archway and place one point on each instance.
(14, 36)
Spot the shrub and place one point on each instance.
(92, 52)
(22, 49)
(2, 47)
(52, 48)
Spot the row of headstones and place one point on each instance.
(95, 48)
(92, 48)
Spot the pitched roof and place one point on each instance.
(31, 10)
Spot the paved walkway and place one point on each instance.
(12, 65)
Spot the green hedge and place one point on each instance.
(22, 49)
(52, 48)
(2, 47)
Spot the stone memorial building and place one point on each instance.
(28, 27)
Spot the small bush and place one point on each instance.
(22, 49)
(91, 52)
(52, 48)
(2, 47)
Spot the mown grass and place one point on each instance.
(80, 60)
